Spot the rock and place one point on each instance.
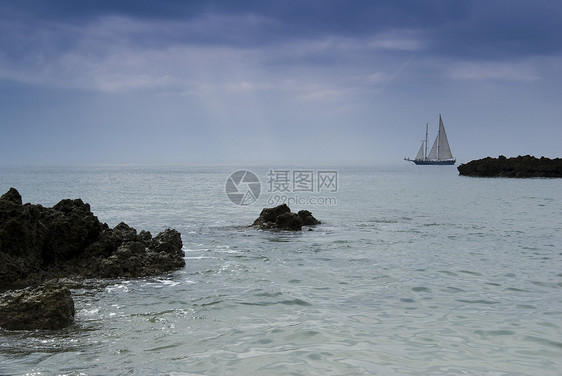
(268, 215)
(12, 196)
(288, 221)
(516, 167)
(168, 241)
(46, 307)
(307, 218)
(70, 228)
(67, 240)
(281, 218)
(145, 256)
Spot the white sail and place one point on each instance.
(433, 152)
(444, 149)
(420, 152)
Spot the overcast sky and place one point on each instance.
(310, 82)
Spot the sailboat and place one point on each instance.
(440, 153)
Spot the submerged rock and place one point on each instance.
(67, 240)
(46, 307)
(517, 167)
(281, 218)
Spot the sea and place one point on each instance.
(414, 270)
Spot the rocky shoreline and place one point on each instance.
(40, 248)
(39, 244)
(516, 167)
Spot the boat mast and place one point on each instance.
(425, 155)
(438, 136)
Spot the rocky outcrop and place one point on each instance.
(516, 167)
(307, 218)
(47, 307)
(67, 240)
(281, 218)
(143, 256)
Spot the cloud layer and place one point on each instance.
(261, 66)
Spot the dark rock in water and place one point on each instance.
(288, 221)
(271, 214)
(268, 216)
(168, 242)
(307, 218)
(281, 218)
(516, 167)
(144, 256)
(46, 307)
(38, 243)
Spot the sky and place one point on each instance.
(257, 82)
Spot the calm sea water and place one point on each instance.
(415, 271)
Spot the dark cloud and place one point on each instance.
(468, 29)
(272, 67)
(500, 30)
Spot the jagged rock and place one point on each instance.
(517, 167)
(12, 196)
(46, 307)
(145, 256)
(288, 221)
(168, 241)
(281, 218)
(67, 240)
(70, 228)
(307, 218)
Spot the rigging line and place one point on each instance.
(200, 107)
(380, 89)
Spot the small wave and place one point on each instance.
(297, 302)
(544, 341)
(446, 272)
(384, 220)
(269, 294)
(454, 289)
(215, 302)
(494, 333)
(478, 301)
(407, 300)
(545, 284)
(514, 289)
(526, 306)
(471, 273)
(421, 289)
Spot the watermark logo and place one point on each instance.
(302, 181)
(291, 187)
(243, 187)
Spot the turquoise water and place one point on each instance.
(414, 271)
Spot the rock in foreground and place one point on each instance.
(281, 218)
(67, 240)
(516, 167)
(47, 307)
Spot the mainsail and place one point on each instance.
(433, 153)
(444, 149)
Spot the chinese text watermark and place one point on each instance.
(285, 186)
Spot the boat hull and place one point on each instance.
(447, 162)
